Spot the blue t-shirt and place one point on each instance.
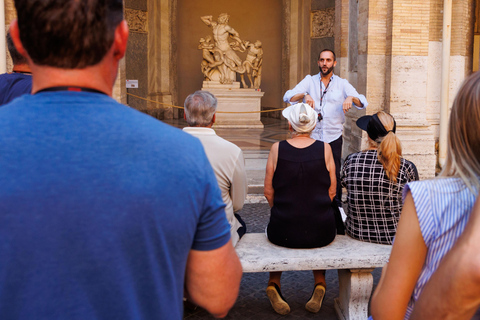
(99, 208)
(14, 85)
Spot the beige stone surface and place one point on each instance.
(436, 20)
(354, 294)
(245, 101)
(462, 31)
(418, 146)
(341, 29)
(10, 12)
(408, 86)
(161, 57)
(434, 84)
(409, 33)
(458, 72)
(257, 254)
(119, 89)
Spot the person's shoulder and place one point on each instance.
(311, 77)
(339, 79)
(230, 146)
(361, 155)
(435, 186)
(408, 164)
(208, 137)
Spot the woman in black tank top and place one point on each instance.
(300, 185)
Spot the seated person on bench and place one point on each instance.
(300, 185)
(374, 179)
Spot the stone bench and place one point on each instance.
(354, 260)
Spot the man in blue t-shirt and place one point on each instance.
(105, 212)
(19, 82)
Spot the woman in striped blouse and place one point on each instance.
(435, 212)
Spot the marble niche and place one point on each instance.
(238, 107)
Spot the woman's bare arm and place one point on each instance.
(330, 163)
(271, 166)
(399, 276)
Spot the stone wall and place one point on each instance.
(399, 66)
(137, 68)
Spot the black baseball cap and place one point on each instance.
(374, 126)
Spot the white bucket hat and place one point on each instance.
(302, 117)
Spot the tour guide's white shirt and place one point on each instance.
(229, 166)
(331, 127)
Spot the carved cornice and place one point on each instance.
(137, 20)
(322, 23)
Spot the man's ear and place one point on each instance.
(15, 33)
(120, 40)
(184, 115)
(335, 63)
(214, 118)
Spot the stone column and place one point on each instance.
(406, 80)
(10, 14)
(341, 37)
(161, 58)
(296, 55)
(119, 88)
(354, 293)
(371, 62)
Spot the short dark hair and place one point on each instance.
(17, 58)
(69, 34)
(325, 50)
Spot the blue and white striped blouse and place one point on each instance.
(443, 207)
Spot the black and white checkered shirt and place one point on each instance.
(374, 202)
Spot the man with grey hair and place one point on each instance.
(225, 157)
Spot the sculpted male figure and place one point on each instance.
(105, 212)
(221, 34)
(225, 157)
(253, 64)
(331, 97)
(19, 82)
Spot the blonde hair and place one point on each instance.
(389, 149)
(463, 142)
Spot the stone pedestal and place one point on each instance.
(354, 294)
(231, 98)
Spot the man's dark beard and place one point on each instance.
(326, 73)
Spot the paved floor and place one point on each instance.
(252, 302)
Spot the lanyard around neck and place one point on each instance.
(323, 92)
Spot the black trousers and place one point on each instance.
(336, 146)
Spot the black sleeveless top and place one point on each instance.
(301, 216)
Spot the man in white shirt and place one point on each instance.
(226, 158)
(331, 98)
